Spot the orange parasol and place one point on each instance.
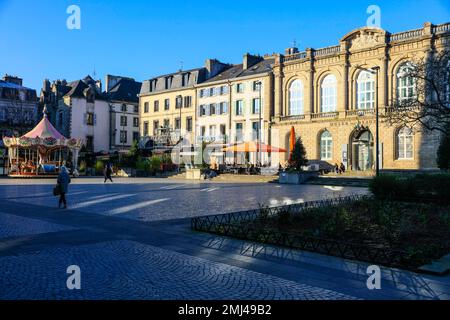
(291, 144)
(254, 147)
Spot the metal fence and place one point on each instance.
(233, 225)
(205, 223)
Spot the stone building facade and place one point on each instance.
(167, 104)
(18, 112)
(330, 95)
(122, 94)
(79, 109)
(228, 108)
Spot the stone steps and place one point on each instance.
(340, 181)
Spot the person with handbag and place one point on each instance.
(63, 186)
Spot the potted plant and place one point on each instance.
(198, 163)
(295, 173)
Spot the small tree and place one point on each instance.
(299, 155)
(133, 153)
(443, 154)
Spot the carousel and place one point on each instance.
(41, 152)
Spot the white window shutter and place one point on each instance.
(85, 118)
(95, 119)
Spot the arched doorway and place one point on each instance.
(362, 148)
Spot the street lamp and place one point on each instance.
(259, 84)
(377, 124)
(375, 70)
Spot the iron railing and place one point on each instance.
(204, 223)
(233, 225)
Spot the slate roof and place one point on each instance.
(78, 89)
(237, 71)
(158, 84)
(11, 85)
(125, 90)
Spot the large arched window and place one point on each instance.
(405, 140)
(329, 94)
(326, 146)
(365, 90)
(296, 98)
(406, 86)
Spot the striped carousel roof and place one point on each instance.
(43, 130)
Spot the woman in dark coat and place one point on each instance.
(63, 182)
(108, 172)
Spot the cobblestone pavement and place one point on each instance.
(159, 200)
(132, 241)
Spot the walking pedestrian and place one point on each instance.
(342, 168)
(63, 185)
(108, 172)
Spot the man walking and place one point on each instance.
(108, 172)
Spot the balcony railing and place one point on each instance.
(360, 112)
(327, 51)
(217, 139)
(325, 115)
(293, 118)
(412, 34)
(442, 28)
(295, 56)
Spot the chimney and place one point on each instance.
(291, 50)
(12, 79)
(111, 81)
(98, 85)
(250, 60)
(214, 67)
(46, 85)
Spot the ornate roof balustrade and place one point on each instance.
(326, 51)
(407, 35)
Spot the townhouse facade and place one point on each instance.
(330, 95)
(18, 112)
(79, 109)
(235, 106)
(167, 105)
(122, 94)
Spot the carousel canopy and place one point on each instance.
(43, 130)
(43, 135)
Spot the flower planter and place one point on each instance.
(296, 177)
(193, 174)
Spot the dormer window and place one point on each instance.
(168, 82)
(185, 79)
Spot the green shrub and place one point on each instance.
(420, 186)
(82, 166)
(166, 158)
(99, 166)
(384, 186)
(443, 153)
(155, 164)
(143, 164)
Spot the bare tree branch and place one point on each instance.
(427, 103)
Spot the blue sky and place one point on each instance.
(142, 39)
